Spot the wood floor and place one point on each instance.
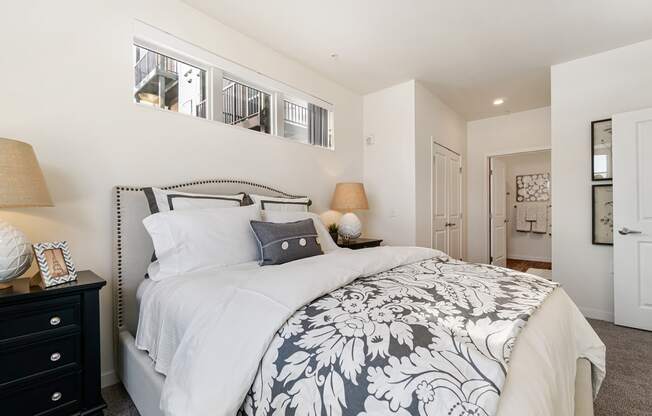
(523, 265)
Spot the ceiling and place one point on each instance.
(467, 52)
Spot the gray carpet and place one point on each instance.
(627, 390)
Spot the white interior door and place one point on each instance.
(439, 199)
(454, 207)
(498, 213)
(447, 212)
(632, 218)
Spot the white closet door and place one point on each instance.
(439, 199)
(498, 213)
(454, 207)
(632, 218)
(446, 201)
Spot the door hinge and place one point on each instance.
(491, 259)
(460, 169)
(491, 171)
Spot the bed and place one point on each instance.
(555, 360)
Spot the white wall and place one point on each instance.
(67, 85)
(434, 120)
(522, 245)
(584, 90)
(389, 164)
(512, 133)
(403, 119)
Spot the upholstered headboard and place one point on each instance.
(132, 246)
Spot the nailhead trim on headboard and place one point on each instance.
(117, 288)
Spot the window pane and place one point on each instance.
(167, 83)
(319, 127)
(245, 106)
(295, 120)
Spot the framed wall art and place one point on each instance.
(533, 188)
(601, 168)
(602, 218)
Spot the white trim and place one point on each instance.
(597, 314)
(487, 192)
(109, 378)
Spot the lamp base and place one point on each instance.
(350, 226)
(21, 285)
(15, 252)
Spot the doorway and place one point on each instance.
(520, 212)
(446, 201)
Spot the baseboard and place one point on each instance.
(597, 314)
(529, 258)
(109, 378)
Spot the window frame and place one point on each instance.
(217, 68)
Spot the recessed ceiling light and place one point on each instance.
(499, 101)
(334, 55)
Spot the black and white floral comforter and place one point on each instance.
(428, 338)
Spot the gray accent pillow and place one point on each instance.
(284, 242)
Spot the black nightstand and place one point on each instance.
(359, 243)
(50, 349)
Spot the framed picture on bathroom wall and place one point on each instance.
(533, 188)
(601, 169)
(603, 224)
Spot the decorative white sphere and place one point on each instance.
(350, 226)
(15, 252)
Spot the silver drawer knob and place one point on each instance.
(55, 357)
(55, 320)
(56, 396)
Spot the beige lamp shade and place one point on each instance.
(349, 196)
(21, 181)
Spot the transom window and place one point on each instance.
(190, 87)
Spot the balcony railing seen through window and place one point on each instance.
(167, 83)
(246, 106)
(295, 114)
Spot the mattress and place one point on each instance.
(540, 380)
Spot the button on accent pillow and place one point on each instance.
(284, 242)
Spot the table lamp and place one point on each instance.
(349, 197)
(21, 185)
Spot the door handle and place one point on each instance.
(625, 231)
(449, 224)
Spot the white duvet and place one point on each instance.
(208, 331)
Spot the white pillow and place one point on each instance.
(270, 203)
(161, 200)
(325, 241)
(189, 240)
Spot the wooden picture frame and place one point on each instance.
(602, 214)
(601, 145)
(55, 263)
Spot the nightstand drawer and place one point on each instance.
(31, 359)
(55, 396)
(36, 317)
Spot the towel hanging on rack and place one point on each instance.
(521, 222)
(541, 224)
